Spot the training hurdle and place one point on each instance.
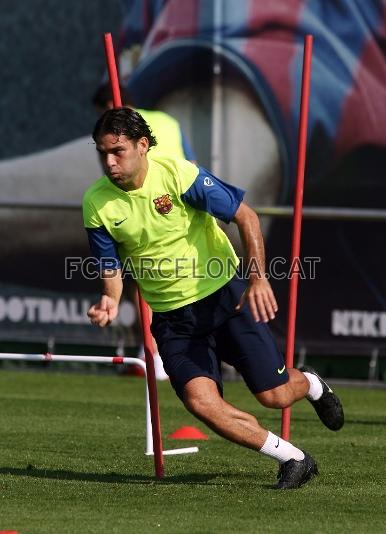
(115, 360)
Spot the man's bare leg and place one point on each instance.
(283, 396)
(202, 398)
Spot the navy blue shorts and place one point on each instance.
(193, 340)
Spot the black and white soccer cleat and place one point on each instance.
(328, 407)
(295, 473)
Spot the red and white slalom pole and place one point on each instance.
(297, 220)
(147, 339)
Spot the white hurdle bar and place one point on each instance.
(116, 360)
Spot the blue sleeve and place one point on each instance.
(210, 194)
(104, 248)
(188, 151)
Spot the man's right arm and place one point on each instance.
(106, 310)
(105, 251)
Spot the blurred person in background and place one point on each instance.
(171, 140)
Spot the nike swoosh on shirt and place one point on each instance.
(281, 371)
(117, 223)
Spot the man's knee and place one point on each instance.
(201, 397)
(279, 397)
(198, 406)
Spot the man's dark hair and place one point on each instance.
(103, 96)
(123, 121)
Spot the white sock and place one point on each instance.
(159, 368)
(316, 388)
(281, 450)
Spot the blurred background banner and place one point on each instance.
(230, 72)
(262, 42)
(34, 315)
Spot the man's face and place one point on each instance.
(123, 160)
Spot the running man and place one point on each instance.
(156, 217)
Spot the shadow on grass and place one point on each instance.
(114, 478)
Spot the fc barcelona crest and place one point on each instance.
(163, 204)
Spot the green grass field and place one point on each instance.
(72, 461)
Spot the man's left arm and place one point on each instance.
(258, 295)
(224, 201)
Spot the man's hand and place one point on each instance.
(103, 312)
(260, 298)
